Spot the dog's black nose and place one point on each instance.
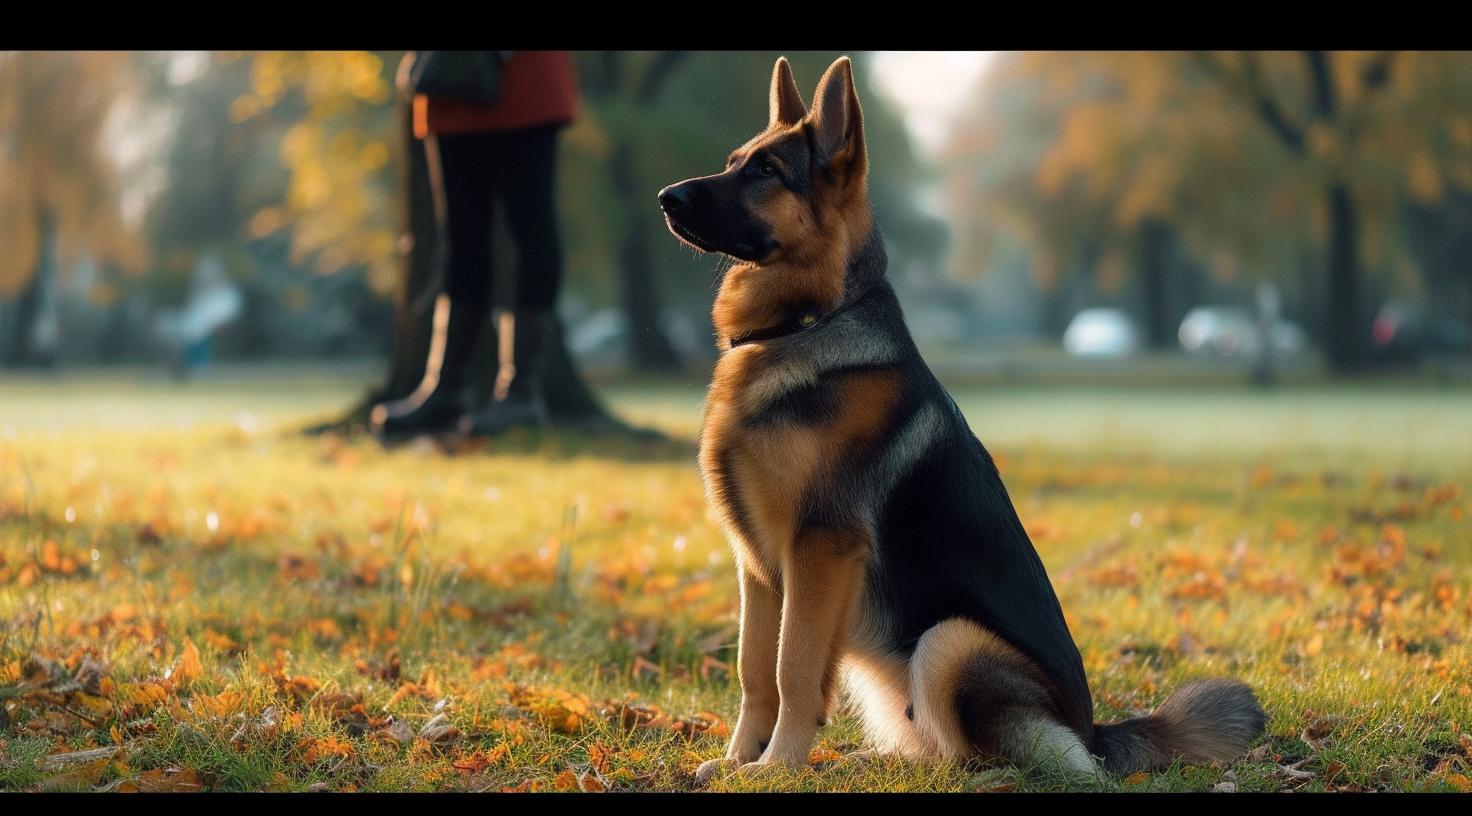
(674, 197)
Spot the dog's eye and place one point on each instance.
(767, 168)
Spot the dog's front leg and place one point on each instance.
(821, 580)
(761, 618)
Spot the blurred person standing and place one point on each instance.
(214, 301)
(490, 127)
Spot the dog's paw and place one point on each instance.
(710, 768)
(759, 769)
(859, 758)
(767, 766)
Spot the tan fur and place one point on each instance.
(878, 686)
(816, 574)
(816, 240)
(772, 468)
(761, 616)
(754, 296)
(946, 660)
(756, 477)
(935, 671)
(825, 571)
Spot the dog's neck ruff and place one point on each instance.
(798, 320)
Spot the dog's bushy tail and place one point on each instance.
(1204, 721)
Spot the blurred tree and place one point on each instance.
(1325, 137)
(341, 203)
(59, 195)
(418, 242)
(620, 88)
(654, 118)
(419, 279)
(1103, 154)
(1440, 238)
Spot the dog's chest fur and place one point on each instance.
(777, 446)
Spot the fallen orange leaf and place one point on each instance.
(189, 668)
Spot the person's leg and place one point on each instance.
(462, 180)
(468, 171)
(528, 186)
(525, 184)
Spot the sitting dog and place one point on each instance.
(871, 528)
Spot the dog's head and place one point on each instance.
(780, 191)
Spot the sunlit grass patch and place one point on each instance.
(233, 607)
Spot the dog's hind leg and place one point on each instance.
(878, 687)
(976, 696)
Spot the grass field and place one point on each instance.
(193, 597)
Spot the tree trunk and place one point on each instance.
(414, 302)
(414, 312)
(1469, 325)
(1158, 332)
(24, 313)
(649, 348)
(1345, 339)
(20, 350)
(1345, 334)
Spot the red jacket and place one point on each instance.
(537, 88)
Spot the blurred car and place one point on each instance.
(1404, 333)
(1101, 332)
(1227, 331)
(602, 338)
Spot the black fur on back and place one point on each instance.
(951, 544)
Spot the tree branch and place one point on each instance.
(1374, 78)
(1376, 75)
(660, 69)
(1248, 84)
(1267, 104)
(1323, 83)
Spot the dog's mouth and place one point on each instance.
(739, 251)
(686, 235)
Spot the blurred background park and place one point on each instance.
(1171, 217)
(1209, 310)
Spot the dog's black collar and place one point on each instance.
(799, 320)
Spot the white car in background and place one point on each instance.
(1231, 332)
(1101, 332)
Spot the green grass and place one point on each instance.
(234, 607)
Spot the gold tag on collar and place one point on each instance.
(807, 320)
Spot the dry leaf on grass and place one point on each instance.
(55, 761)
(396, 731)
(167, 780)
(438, 731)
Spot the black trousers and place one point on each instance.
(516, 170)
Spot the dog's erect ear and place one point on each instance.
(838, 123)
(786, 103)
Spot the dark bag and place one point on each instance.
(471, 75)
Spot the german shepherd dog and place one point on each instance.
(871, 528)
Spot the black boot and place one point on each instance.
(435, 406)
(519, 399)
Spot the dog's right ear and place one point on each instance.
(838, 122)
(787, 107)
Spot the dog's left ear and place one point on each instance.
(786, 103)
(838, 122)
